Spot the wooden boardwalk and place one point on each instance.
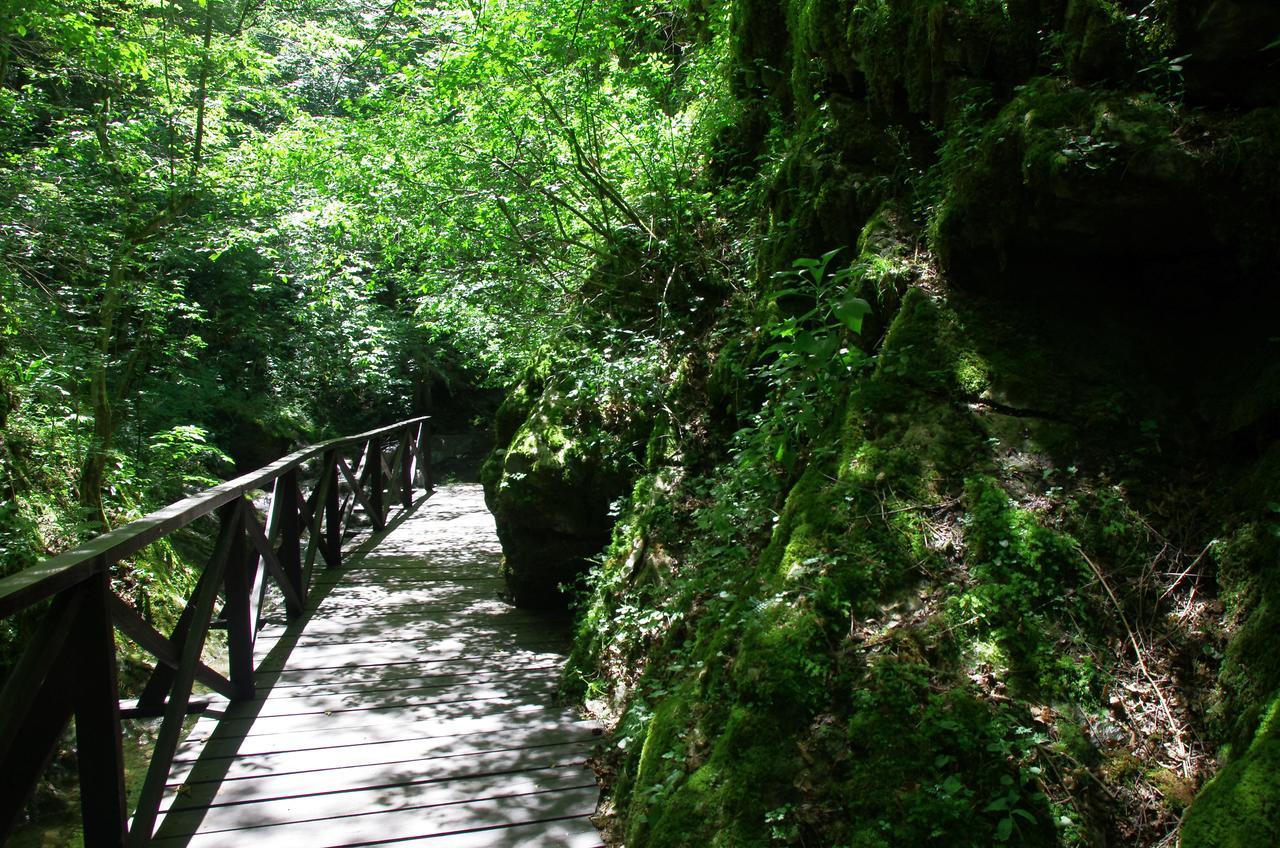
(409, 706)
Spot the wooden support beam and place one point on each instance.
(69, 668)
(289, 583)
(404, 468)
(377, 486)
(179, 694)
(332, 548)
(239, 612)
(131, 709)
(357, 491)
(424, 454)
(289, 525)
(99, 754)
(128, 622)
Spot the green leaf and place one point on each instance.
(807, 343)
(1005, 829)
(852, 311)
(826, 348)
(785, 455)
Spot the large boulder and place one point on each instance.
(1105, 194)
(559, 465)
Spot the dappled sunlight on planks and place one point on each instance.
(410, 705)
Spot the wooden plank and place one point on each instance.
(407, 668)
(530, 692)
(413, 821)
(436, 759)
(345, 790)
(284, 683)
(410, 683)
(572, 832)
(500, 648)
(403, 578)
(380, 631)
(522, 730)
(354, 597)
(364, 718)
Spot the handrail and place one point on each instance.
(21, 590)
(69, 667)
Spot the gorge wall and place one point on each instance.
(967, 533)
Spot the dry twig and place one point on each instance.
(1183, 748)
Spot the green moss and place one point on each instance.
(1239, 808)
(778, 667)
(1024, 572)
(1250, 671)
(724, 801)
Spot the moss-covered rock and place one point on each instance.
(1069, 186)
(1240, 807)
(550, 483)
(1075, 192)
(1250, 579)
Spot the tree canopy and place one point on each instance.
(231, 223)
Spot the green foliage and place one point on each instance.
(812, 354)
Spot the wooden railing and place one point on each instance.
(69, 666)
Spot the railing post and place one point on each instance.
(406, 469)
(238, 585)
(289, 551)
(332, 511)
(424, 455)
(98, 732)
(377, 486)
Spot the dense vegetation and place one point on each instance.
(892, 388)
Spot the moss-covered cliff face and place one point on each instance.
(967, 534)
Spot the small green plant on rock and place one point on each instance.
(812, 350)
